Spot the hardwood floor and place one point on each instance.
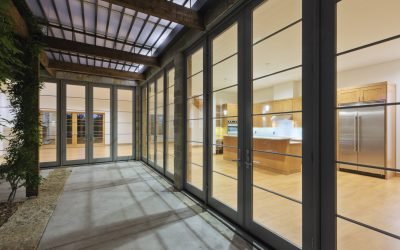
(369, 200)
(48, 153)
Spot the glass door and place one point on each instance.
(75, 141)
(100, 124)
(224, 123)
(274, 180)
(125, 124)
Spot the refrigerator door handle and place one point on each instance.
(358, 132)
(355, 133)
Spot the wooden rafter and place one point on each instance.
(22, 30)
(166, 10)
(98, 51)
(91, 70)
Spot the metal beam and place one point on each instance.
(91, 70)
(98, 51)
(166, 10)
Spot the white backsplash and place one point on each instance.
(284, 128)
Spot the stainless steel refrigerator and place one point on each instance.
(361, 139)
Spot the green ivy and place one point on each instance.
(19, 67)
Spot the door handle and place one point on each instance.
(355, 133)
(358, 133)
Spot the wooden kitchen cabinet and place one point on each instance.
(282, 106)
(374, 93)
(370, 93)
(345, 96)
(297, 117)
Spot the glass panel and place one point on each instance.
(368, 141)
(125, 122)
(225, 102)
(160, 137)
(225, 150)
(195, 107)
(170, 151)
(277, 119)
(225, 74)
(195, 63)
(195, 130)
(194, 171)
(101, 122)
(270, 18)
(144, 122)
(152, 123)
(171, 77)
(195, 85)
(225, 45)
(48, 122)
(224, 174)
(195, 103)
(76, 122)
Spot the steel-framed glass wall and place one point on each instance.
(169, 123)
(144, 143)
(160, 124)
(158, 121)
(49, 129)
(151, 123)
(195, 120)
(277, 119)
(88, 115)
(313, 145)
(368, 155)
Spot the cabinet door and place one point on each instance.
(232, 109)
(348, 96)
(297, 104)
(287, 105)
(374, 93)
(297, 120)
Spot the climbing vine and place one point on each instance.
(19, 80)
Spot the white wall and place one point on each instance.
(285, 90)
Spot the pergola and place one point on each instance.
(114, 38)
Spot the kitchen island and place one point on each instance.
(269, 153)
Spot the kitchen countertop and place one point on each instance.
(291, 141)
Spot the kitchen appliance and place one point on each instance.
(362, 138)
(232, 127)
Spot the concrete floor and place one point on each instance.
(127, 206)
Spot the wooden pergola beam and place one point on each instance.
(98, 51)
(166, 10)
(21, 30)
(91, 70)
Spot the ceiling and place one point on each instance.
(103, 24)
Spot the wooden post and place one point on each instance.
(33, 189)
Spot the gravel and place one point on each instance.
(25, 227)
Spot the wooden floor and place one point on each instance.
(369, 200)
(48, 153)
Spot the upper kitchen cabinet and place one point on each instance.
(297, 116)
(374, 93)
(348, 96)
(378, 92)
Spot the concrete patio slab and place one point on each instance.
(125, 205)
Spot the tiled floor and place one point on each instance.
(125, 205)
